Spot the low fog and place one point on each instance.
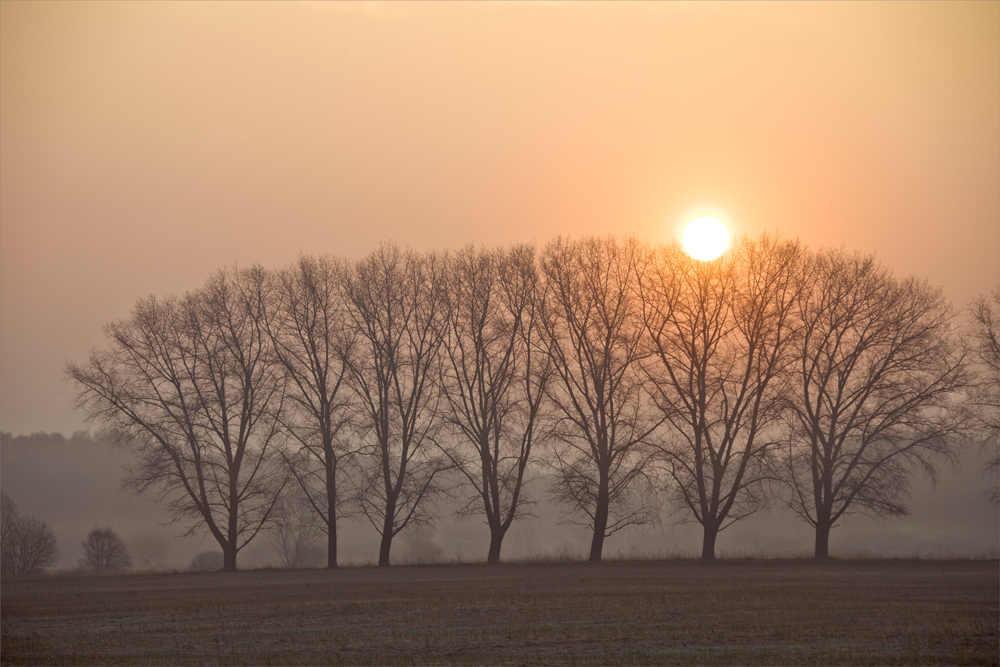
(75, 484)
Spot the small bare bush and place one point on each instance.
(105, 551)
(27, 543)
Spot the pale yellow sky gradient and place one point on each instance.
(145, 145)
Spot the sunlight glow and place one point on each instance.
(705, 238)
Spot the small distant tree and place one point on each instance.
(105, 551)
(296, 531)
(27, 544)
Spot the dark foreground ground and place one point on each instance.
(743, 612)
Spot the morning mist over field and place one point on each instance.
(950, 519)
(611, 332)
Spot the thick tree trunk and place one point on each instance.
(823, 526)
(708, 542)
(229, 548)
(822, 540)
(383, 551)
(600, 522)
(229, 556)
(496, 541)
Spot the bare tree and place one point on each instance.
(296, 531)
(105, 551)
(398, 305)
(494, 379)
(985, 393)
(592, 330)
(27, 543)
(719, 337)
(190, 385)
(875, 374)
(312, 340)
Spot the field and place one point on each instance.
(674, 612)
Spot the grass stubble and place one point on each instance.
(677, 612)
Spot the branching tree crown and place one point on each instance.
(190, 384)
(719, 336)
(494, 378)
(105, 551)
(398, 306)
(313, 340)
(876, 373)
(592, 330)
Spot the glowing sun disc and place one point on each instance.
(705, 238)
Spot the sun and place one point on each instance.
(705, 238)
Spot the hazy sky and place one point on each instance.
(145, 145)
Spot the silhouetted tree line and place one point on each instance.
(632, 373)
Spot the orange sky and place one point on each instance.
(144, 145)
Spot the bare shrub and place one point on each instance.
(296, 531)
(105, 551)
(27, 543)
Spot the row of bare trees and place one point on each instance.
(627, 372)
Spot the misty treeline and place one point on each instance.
(633, 375)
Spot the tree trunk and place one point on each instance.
(229, 556)
(331, 545)
(496, 541)
(383, 551)
(822, 540)
(708, 542)
(229, 548)
(331, 513)
(600, 521)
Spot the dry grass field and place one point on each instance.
(675, 612)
